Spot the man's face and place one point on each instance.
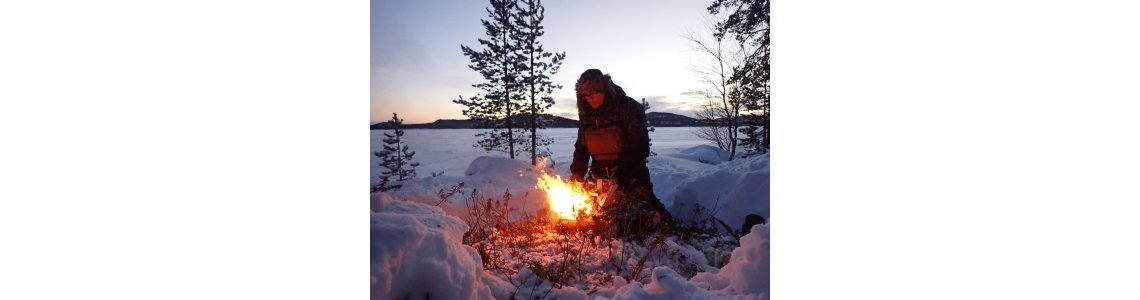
(595, 99)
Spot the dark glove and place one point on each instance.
(625, 175)
(620, 172)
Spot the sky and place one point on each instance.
(417, 67)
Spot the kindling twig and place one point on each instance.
(444, 194)
(660, 239)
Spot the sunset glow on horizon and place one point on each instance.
(418, 69)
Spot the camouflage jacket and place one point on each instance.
(627, 117)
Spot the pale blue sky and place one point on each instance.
(417, 67)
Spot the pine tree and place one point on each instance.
(536, 68)
(499, 63)
(749, 24)
(645, 106)
(752, 141)
(397, 159)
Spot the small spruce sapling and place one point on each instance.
(396, 156)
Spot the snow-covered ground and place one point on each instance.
(417, 247)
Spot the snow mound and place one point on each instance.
(748, 269)
(665, 284)
(668, 173)
(495, 175)
(703, 153)
(738, 189)
(417, 253)
(491, 176)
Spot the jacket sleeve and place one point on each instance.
(581, 154)
(636, 134)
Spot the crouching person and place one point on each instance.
(613, 144)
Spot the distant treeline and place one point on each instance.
(656, 119)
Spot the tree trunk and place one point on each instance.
(507, 97)
(399, 159)
(533, 111)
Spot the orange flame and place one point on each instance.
(566, 199)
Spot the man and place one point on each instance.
(612, 132)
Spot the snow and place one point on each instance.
(450, 151)
(745, 277)
(703, 153)
(491, 176)
(417, 246)
(536, 288)
(416, 249)
(739, 188)
(748, 271)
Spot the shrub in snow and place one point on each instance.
(746, 277)
(532, 286)
(703, 228)
(552, 259)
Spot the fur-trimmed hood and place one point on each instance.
(589, 80)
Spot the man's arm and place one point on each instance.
(581, 154)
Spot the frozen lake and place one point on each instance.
(451, 150)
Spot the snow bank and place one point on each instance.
(496, 166)
(491, 176)
(417, 253)
(702, 153)
(739, 188)
(669, 173)
(748, 270)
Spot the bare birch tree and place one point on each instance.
(720, 113)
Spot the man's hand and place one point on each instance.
(577, 178)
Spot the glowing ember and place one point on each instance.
(565, 198)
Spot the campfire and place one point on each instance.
(569, 200)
